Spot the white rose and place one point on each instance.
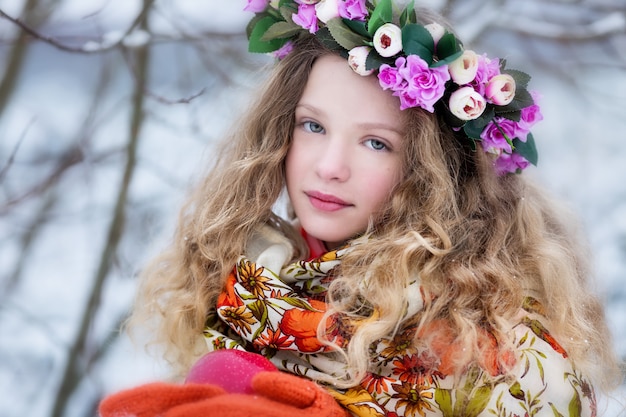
(466, 104)
(357, 58)
(388, 40)
(436, 31)
(326, 10)
(500, 89)
(463, 69)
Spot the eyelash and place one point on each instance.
(379, 142)
(307, 126)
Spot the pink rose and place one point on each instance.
(487, 69)
(306, 17)
(510, 163)
(388, 40)
(256, 6)
(500, 89)
(466, 104)
(425, 85)
(463, 69)
(493, 137)
(531, 114)
(406, 100)
(389, 78)
(353, 9)
(284, 50)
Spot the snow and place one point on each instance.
(581, 161)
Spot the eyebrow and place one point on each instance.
(310, 108)
(364, 125)
(383, 126)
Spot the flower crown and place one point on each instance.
(423, 65)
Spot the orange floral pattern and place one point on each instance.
(277, 314)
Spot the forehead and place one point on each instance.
(333, 85)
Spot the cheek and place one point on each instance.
(379, 184)
(292, 164)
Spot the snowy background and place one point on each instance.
(103, 129)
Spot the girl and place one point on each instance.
(418, 273)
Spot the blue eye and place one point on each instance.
(312, 127)
(376, 145)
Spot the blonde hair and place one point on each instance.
(477, 242)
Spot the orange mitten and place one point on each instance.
(227, 383)
(276, 394)
(279, 395)
(155, 399)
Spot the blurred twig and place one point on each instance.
(77, 356)
(14, 62)
(68, 159)
(26, 241)
(7, 165)
(147, 4)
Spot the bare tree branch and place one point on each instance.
(27, 239)
(77, 357)
(9, 163)
(14, 63)
(60, 45)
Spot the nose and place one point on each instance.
(333, 163)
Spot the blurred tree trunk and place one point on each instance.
(33, 14)
(15, 60)
(79, 357)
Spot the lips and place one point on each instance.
(326, 202)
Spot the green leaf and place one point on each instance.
(287, 10)
(474, 128)
(252, 23)
(343, 35)
(555, 411)
(258, 309)
(382, 14)
(262, 320)
(358, 27)
(297, 302)
(575, 407)
(323, 35)
(443, 398)
(374, 60)
(517, 392)
(523, 339)
(408, 14)
(478, 401)
(527, 149)
(521, 100)
(260, 46)
(448, 46)
(521, 78)
(417, 40)
(280, 30)
(447, 60)
(511, 115)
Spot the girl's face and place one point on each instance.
(346, 152)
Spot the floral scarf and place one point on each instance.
(274, 308)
